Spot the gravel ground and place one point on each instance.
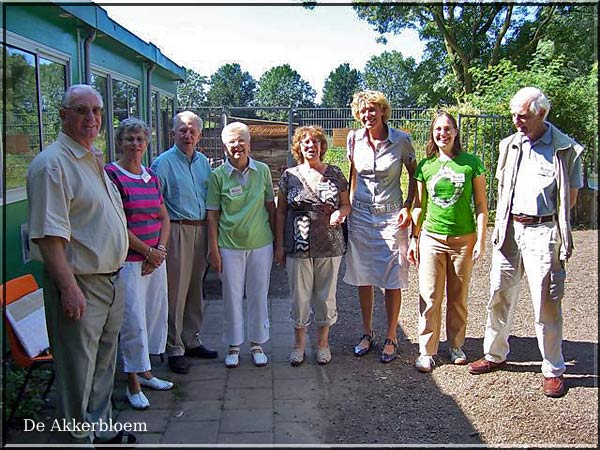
(366, 402)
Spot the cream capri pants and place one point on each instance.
(249, 271)
(313, 283)
(533, 250)
(144, 329)
(445, 264)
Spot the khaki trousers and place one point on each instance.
(532, 250)
(85, 351)
(445, 264)
(186, 264)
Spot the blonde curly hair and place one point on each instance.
(314, 132)
(371, 98)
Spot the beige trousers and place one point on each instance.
(313, 284)
(186, 264)
(85, 352)
(445, 264)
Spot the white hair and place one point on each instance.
(74, 89)
(187, 115)
(536, 98)
(242, 128)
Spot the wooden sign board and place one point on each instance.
(339, 137)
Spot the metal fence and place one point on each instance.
(480, 134)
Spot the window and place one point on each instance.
(31, 116)
(167, 111)
(125, 104)
(52, 87)
(155, 126)
(101, 85)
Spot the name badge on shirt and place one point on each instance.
(458, 178)
(146, 176)
(235, 191)
(323, 186)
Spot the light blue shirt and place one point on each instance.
(184, 183)
(535, 187)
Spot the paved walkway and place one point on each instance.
(275, 404)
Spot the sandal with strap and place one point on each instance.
(361, 351)
(233, 357)
(258, 356)
(389, 357)
(297, 357)
(323, 356)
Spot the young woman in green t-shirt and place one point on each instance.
(452, 238)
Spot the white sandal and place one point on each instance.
(323, 356)
(137, 400)
(155, 383)
(258, 356)
(233, 357)
(297, 357)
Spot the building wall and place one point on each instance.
(40, 30)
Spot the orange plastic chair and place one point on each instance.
(15, 289)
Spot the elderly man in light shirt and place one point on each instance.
(539, 173)
(78, 229)
(183, 173)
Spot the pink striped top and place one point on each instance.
(141, 202)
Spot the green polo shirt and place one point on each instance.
(241, 197)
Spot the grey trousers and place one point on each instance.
(85, 352)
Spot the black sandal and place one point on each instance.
(361, 351)
(389, 357)
(122, 438)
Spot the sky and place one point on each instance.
(261, 36)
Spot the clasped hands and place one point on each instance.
(154, 259)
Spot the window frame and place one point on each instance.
(38, 50)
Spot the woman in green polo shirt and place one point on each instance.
(451, 240)
(241, 226)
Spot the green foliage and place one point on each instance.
(340, 85)
(573, 99)
(31, 403)
(393, 75)
(191, 93)
(229, 86)
(283, 86)
(336, 156)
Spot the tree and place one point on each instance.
(283, 86)
(340, 85)
(229, 86)
(466, 35)
(393, 75)
(191, 93)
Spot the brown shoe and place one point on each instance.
(484, 366)
(554, 387)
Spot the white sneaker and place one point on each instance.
(424, 363)
(155, 383)
(457, 356)
(137, 400)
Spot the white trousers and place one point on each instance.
(533, 250)
(313, 282)
(144, 329)
(246, 271)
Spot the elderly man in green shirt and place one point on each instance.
(241, 224)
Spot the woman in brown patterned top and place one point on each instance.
(312, 203)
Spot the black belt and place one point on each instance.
(196, 223)
(111, 274)
(532, 220)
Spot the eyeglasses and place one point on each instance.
(83, 110)
(131, 139)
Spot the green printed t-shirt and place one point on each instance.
(449, 186)
(244, 220)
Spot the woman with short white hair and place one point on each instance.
(241, 227)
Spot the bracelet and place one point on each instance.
(162, 248)
(149, 252)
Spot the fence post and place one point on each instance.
(290, 159)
